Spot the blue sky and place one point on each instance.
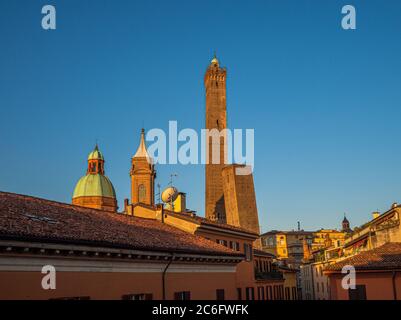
(325, 103)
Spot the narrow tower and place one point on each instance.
(215, 85)
(143, 175)
(345, 225)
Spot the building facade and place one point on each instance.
(383, 228)
(377, 274)
(97, 254)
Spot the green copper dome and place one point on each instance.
(94, 185)
(95, 154)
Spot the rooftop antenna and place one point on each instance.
(171, 184)
(299, 226)
(159, 193)
(171, 179)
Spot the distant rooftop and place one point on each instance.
(385, 257)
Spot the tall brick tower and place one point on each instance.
(216, 118)
(240, 198)
(142, 175)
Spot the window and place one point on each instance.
(359, 293)
(138, 296)
(141, 193)
(261, 293)
(182, 295)
(222, 242)
(220, 294)
(294, 293)
(93, 167)
(269, 293)
(248, 252)
(239, 293)
(250, 293)
(234, 245)
(287, 294)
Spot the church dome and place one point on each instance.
(95, 190)
(94, 185)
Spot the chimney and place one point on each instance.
(126, 203)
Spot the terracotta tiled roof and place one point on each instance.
(204, 221)
(386, 257)
(34, 219)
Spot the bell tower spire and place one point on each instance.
(143, 175)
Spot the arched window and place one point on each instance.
(93, 167)
(141, 193)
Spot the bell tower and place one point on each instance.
(216, 120)
(143, 175)
(345, 225)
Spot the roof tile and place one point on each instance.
(29, 218)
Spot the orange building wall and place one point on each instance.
(113, 285)
(379, 285)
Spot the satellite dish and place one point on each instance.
(169, 194)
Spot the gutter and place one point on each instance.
(164, 277)
(394, 286)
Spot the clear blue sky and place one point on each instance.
(325, 103)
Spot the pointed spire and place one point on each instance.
(142, 152)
